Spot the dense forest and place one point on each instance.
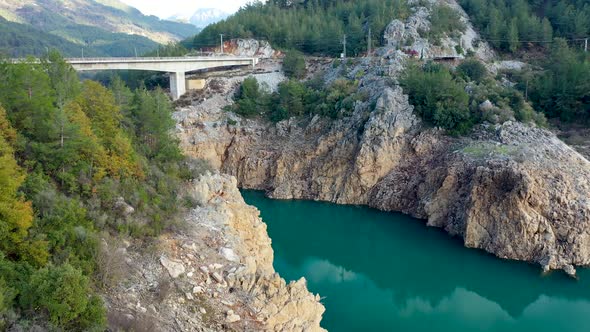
(511, 25)
(313, 27)
(551, 35)
(19, 40)
(74, 157)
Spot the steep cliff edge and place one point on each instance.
(214, 273)
(512, 190)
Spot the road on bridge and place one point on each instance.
(176, 66)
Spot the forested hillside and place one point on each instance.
(80, 166)
(101, 27)
(550, 34)
(314, 27)
(20, 40)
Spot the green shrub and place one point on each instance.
(250, 100)
(4, 297)
(472, 70)
(249, 89)
(294, 65)
(64, 294)
(294, 98)
(438, 98)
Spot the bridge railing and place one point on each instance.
(145, 59)
(185, 58)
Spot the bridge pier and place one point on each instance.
(177, 67)
(177, 84)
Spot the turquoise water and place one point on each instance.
(380, 271)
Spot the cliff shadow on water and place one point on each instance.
(401, 255)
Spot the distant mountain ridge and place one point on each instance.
(101, 27)
(202, 17)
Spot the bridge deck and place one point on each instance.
(176, 66)
(148, 59)
(156, 59)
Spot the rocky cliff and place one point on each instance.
(513, 190)
(413, 34)
(214, 273)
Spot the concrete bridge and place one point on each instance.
(176, 66)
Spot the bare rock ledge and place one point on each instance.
(513, 190)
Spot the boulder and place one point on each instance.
(394, 33)
(486, 106)
(175, 269)
(229, 254)
(122, 207)
(231, 317)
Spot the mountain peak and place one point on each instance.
(202, 17)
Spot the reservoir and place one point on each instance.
(378, 271)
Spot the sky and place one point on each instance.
(167, 8)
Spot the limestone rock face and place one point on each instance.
(513, 190)
(213, 273)
(279, 306)
(411, 35)
(395, 33)
(250, 47)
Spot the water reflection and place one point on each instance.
(383, 271)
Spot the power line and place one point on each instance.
(531, 41)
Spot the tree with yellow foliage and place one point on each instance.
(16, 215)
(99, 105)
(6, 129)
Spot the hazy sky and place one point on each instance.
(167, 8)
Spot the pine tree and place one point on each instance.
(26, 94)
(64, 79)
(154, 125)
(513, 39)
(547, 30)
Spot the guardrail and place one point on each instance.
(145, 59)
(193, 58)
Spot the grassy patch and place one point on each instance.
(481, 150)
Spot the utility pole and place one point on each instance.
(221, 35)
(344, 43)
(586, 45)
(369, 43)
(82, 52)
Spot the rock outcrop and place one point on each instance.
(250, 47)
(512, 190)
(214, 273)
(412, 35)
